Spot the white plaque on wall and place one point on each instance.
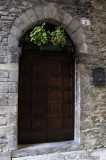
(85, 21)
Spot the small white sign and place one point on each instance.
(85, 21)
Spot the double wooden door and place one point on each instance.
(46, 98)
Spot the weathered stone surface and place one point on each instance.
(8, 87)
(77, 155)
(9, 67)
(14, 58)
(13, 99)
(40, 149)
(83, 48)
(67, 19)
(13, 76)
(15, 31)
(12, 40)
(3, 59)
(4, 50)
(3, 99)
(3, 74)
(3, 120)
(38, 11)
(5, 156)
(74, 25)
(31, 15)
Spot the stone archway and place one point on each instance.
(53, 14)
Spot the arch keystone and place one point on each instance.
(38, 12)
(50, 11)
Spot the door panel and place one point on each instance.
(53, 109)
(46, 98)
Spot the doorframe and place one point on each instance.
(76, 141)
(28, 19)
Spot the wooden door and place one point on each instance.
(46, 98)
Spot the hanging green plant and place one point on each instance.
(40, 36)
(58, 37)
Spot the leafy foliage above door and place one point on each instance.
(40, 36)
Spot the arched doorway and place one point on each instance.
(46, 92)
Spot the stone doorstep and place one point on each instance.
(45, 148)
(99, 154)
(56, 156)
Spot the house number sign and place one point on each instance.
(99, 76)
(85, 22)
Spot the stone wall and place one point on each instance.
(91, 50)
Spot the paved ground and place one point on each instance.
(99, 154)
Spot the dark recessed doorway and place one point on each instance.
(46, 97)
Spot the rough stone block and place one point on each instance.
(25, 18)
(74, 25)
(67, 18)
(4, 50)
(70, 33)
(9, 67)
(19, 23)
(3, 139)
(13, 99)
(3, 74)
(3, 59)
(51, 12)
(14, 50)
(5, 156)
(3, 13)
(7, 18)
(12, 142)
(3, 120)
(79, 36)
(11, 118)
(38, 11)
(83, 48)
(15, 31)
(3, 110)
(3, 99)
(23, 22)
(11, 109)
(31, 15)
(3, 87)
(12, 87)
(14, 58)
(12, 40)
(15, 10)
(8, 87)
(13, 76)
(11, 129)
(47, 11)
